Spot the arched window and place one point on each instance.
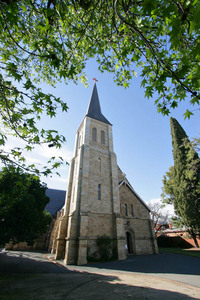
(102, 137)
(126, 210)
(94, 134)
(132, 212)
(99, 192)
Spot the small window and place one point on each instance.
(73, 195)
(99, 164)
(79, 141)
(126, 211)
(102, 137)
(94, 134)
(132, 212)
(99, 192)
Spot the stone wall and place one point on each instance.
(137, 221)
(40, 244)
(129, 198)
(53, 232)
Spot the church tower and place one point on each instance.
(92, 207)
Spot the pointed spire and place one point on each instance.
(94, 109)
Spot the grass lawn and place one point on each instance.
(191, 251)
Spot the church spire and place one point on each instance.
(94, 109)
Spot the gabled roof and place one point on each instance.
(94, 109)
(57, 200)
(127, 183)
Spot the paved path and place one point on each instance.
(27, 263)
(29, 275)
(182, 268)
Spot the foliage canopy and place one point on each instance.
(22, 203)
(50, 40)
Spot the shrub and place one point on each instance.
(104, 245)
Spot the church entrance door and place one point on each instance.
(129, 243)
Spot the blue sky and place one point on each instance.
(142, 140)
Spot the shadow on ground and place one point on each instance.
(32, 276)
(169, 263)
(78, 286)
(31, 262)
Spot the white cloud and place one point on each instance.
(40, 155)
(167, 209)
(56, 182)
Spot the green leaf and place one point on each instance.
(188, 114)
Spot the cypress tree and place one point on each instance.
(186, 185)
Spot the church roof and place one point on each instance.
(57, 200)
(94, 109)
(124, 180)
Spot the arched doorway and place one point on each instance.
(129, 243)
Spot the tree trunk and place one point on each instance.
(193, 234)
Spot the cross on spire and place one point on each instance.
(95, 79)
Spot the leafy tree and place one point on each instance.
(31, 52)
(182, 182)
(196, 144)
(159, 217)
(168, 186)
(22, 203)
(50, 40)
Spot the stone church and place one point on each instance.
(100, 201)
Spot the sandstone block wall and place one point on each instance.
(139, 224)
(129, 198)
